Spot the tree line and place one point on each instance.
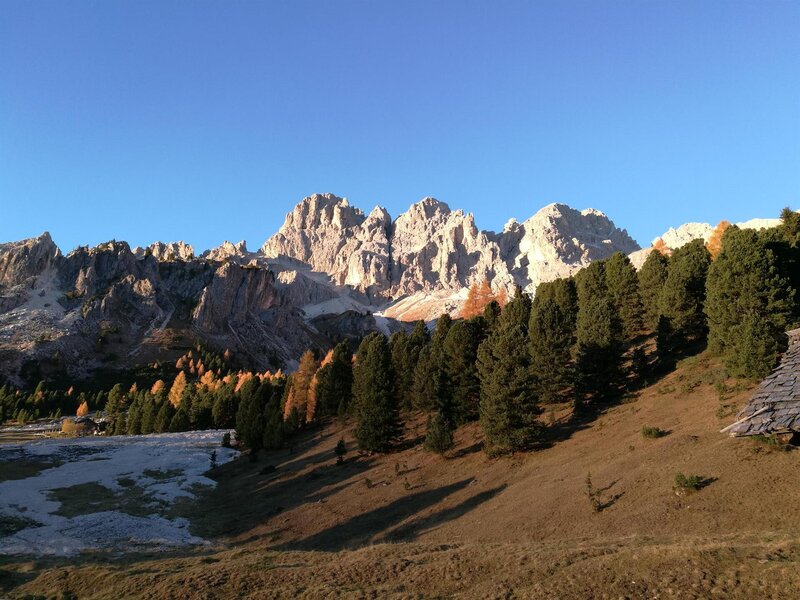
(583, 339)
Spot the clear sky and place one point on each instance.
(207, 121)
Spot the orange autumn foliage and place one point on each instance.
(714, 243)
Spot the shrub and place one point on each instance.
(690, 483)
(226, 440)
(652, 432)
(341, 450)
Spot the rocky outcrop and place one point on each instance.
(21, 262)
(166, 252)
(432, 248)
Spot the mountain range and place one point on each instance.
(330, 271)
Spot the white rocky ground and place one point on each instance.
(161, 468)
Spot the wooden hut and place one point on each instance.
(775, 406)
(79, 426)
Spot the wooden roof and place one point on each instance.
(775, 406)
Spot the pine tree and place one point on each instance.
(377, 414)
(423, 390)
(623, 287)
(149, 412)
(684, 292)
(439, 434)
(748, 304)
(250, 416)
(115, 409)
(551, 334)
(134, 425)
(491, 315)
(459, 365)
(518, 311)
(274, 433)
(164, 417)
(598, 336)
(508, 404)
(652, 276)
(180, 420)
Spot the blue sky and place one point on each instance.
(207, 121)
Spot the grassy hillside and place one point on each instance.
(412, 524)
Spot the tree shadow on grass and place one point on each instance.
(410, 531)
(360, 529)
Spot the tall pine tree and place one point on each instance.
(623, 287)
(551, 334)
(684, 293)
(748, 304)
(376, 409)
(598, 335)
(652, 276)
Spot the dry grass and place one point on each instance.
(474, 527)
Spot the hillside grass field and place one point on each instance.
(594, 513)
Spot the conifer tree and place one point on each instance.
(598, 336)
(423, 390)
(508, 403)
(748, 304)
(517, 311)
(459, 366)
(149, 412)
(115, 409)
(623, 287)
(377, 414)
(491, 315)
(652, 276)
(164, 417)
(176, 391)
(301, 384)
(250, 416)
(714, 243)
(180, 420)
(551, 334)
(134, 424)
(274, 429)
(684, 292)
(335, 382)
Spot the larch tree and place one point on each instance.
(714, 243)
(176, 391)
(301, 385)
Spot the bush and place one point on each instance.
(341, 450)
(690, 483)
(652, 432)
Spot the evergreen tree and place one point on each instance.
(377, 413)
(423, 390)
(115, 409)
(439, 434)
(274, 429)
(623, 287)
(684, 292)
(164, 417)
(180, 420)
(652, 276)
(223, 411)
(518, 311)
(598, 336)
(134, 424)
(748, 304)
(508, 404)
(551, 334)
(491, 315)
(250, 416)
(149, 412)
(459, 366)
